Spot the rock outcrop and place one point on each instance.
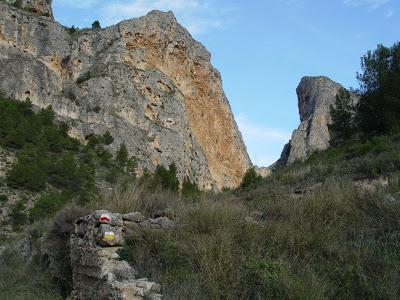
(145, 80)
(315, 96)
(38, 7)
(97, 270)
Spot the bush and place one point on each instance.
(166, 178)
(48, 205)
(96, 25)
(250, 179)
(3, 198)
(190, 190)
(45, 152)
(107, 138)
(84, 77)
(122, 156)
(29, 175)
(61, 228)
(20, 280)
(17, 216)
(72, 29)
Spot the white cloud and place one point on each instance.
(372, 4)
(84, 4)
(196, 15)
(263, 144)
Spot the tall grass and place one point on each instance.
(319, 237)
(330, 243)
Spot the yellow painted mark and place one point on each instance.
(109, 237)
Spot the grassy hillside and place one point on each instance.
(325, 228)
(321, 229)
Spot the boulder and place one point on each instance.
(133, 217)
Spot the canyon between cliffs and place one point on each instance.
(151, 85)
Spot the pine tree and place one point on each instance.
(122, 156)
(96, 25)
(342, 114)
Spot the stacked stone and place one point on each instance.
(97, 271)
(134, 221)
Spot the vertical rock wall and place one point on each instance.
(315, 96)
(145, 80)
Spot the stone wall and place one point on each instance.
(98, 272)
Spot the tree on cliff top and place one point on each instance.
(96, 25)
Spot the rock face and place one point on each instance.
(315, 96)
(38, 7)
(97, 270)
(145, 80)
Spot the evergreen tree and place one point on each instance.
(107, 138)
(378, 111)
(122, 156)
(250, 179)
(166, 178)
(96, 25)
(342, 114)
(190, 190)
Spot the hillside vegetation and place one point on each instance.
(324, 228)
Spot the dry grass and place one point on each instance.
(320, 238)
(329, 243)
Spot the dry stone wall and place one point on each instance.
(98, 271)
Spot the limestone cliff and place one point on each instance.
(315, 96)
(146, 80)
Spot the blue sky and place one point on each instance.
(262, 49)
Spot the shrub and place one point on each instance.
(72, 29)
(61, 228)
(122, 156)
(17, 216)
(45, 152)
(20, 280)
(48, 205)
(84, 77)
(17, 3)
(105, 158)
(3, 198)
(27, 175)
(166, 178)
(250, 179)
(107, 138)
(97, 109)
(190, 190)
(96, 25)
(113, 174)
